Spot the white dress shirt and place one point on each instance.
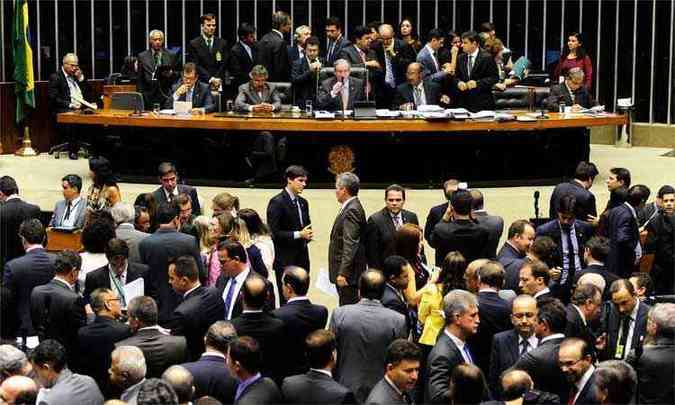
(75, 208)
(240, 278)
(460, 345)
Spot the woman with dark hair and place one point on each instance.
(452, 48)
(408, 244)
(574, 55)
(98, 230)
(104, 192)
(407, 32)
(260, 235)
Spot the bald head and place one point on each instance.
(471, 274)
(414, 73)
(515, 383)
(254, 292)
(19, 389)
(180, 379)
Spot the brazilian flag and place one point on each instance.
(23, 61)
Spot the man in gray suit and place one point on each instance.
(340, 92)
(123, 214)
(257, 95)
(493, 223)
(363, 330)
(127, 372)
(347, 248)
(64, 386)
(71, 211)
(400, 377)
(428, 57)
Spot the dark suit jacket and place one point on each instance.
(238, 303)
(505, 353)
(464, 236)
(283, 219)
(434, 217)
(201, 97)
(660, 241)
(560, 93)
(272, 54)
(384, 394)
(262, 392)
(623, 237)
(100, 278)
(612, 324)
(585, 200)
(293, 53)
(339, 45)
(96, 343)
(315, 388)
(655, 369)
(380, 233)
(347, 248)
(485, 74)
(576, 328)
(494, 315)
(160, 197)
(155, 251)
(241, 64)
(392, 301)
(305, 84)
(541, 364)
(270, 333)
(353, 56)
(405, 55)
(198, 310)
(588, 394)
(12, 213)
(326, 102)
(59, 92)
(404, 94)
(443, 358)
(210, 62)
(21, 276)
(213, 378)
(300, 318)
(161, 351)
(512, 260)
(146, 71)
(494, 224)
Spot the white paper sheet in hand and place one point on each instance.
(134, 289)
(323, 283)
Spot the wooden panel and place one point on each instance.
(57, 241)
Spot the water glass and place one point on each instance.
(308, 107)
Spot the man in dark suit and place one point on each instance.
(595, 255)
(416, 92)
(494, 224)
(394, 56)
(191, 90)
(395, 271)
(512, 254)
(57, 311)
(317, 386)
(158, 248)
(210, 373)
(451, 349)
(199, 308)
(23, 274)
(660, 241)
(542, 363)
(347, 248)
(290, 224)
(458, 232)
(359, 54)
(572, 92)
(160, 349)
(298, 49)
(267, 330)
(584, 309)
(257, 95)
(402, 365)
(13, 211)
(624, 236)
(96, 341)
(210, 53)
(71, 211)
(243, 54)
(305, 73)
(339, 93)
(272, 50)
(625, 324)
(336, 42)
(170, 188)
(576, 358)
(383, 224)
(244, 360)
(475, 75)
(534, 279)
(493, 311)
(156, 69)
(580, 187)
(300, 317)
(436, 213)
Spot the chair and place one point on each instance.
(127, 101)
(517, 97)
(355, 71)
(285, 90)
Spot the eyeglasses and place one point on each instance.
(113, 299)
(568, 364)
(522, 315)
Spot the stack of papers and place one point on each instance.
(429, 108)
(167, 112)
(485, 115)
(324, 115)
(384, 113)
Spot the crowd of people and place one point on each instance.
(574, 310)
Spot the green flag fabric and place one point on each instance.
(23, 61)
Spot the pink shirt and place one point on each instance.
(585, 64)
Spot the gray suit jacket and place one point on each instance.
(248, 97)
(429, 70)
(384, 394)
(327, 102)
(133, 238)
(364, 331)
(71, 388)
(60, 210)
(494, 225)
(161, 351)
(347, 248)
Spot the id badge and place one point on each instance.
(218, 57)
(619, 351)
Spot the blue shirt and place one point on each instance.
(244, 384)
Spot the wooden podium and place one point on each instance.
(57, 241)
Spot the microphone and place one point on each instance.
(536, 204)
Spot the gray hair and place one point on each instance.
(299, 30)
(342, 62)
(144, 309)
(663, 315)
(385, 27)
(153, 32)
(12, 361)
(576, 74)
(69, 55)
(98, 298)
(457, 302)
(349, 181)
(593, 279)
(131, 360)
(123, 213)
(181, 381)
(258, 71)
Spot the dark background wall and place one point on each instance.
(629, 41)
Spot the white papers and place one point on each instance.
(482, 115)
(182, 107)
(324, 115)
(457, 111)
(84, 102)
(429, 108)
(525, 118)
(384, 113)
(134, 289)
(324, 285)
(167, 112)
(625, 102)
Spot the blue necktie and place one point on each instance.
(228, 298)
(468, 353)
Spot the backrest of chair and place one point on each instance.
(285, 90)
(356, 71)
(127, 101)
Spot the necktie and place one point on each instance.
(117, 279)
(433, 57)
(389, 74)
(571, 256)
(188, 96)
(345, 98)
(297, 207)
(470, 64)
(621, 348)
(228, 298)
(158, 59)
(524, 345)
(573, 393)
(468, 353)
(65, 217)
(397, 221)
(418, 97)
(331, 48)
(209, 42)
(407, 399)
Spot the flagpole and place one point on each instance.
(26, 149)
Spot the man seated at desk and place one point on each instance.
(257, 95)
(340, 92)
(572, 92)
(417, 92)
(71, 211)
(191, 90)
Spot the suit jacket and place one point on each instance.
(380, 233)
(283, 220)
(201, 97)
(273, 54)
(58, 92)
(405, 55)
(238, 304)
(96, 343)
(464, 236)
(155, 252)
(270, 333)
(655, 369)
(21, 276)
(429, 69)
(210, 62)
(12, 213)
(585, 200)
(358, 329)
(315, 388)
(576, 327)
(160, 197)
(160, 350)
(623, 238)
(512, 260)
(147, 68)
(213, 378)
(485, 74)
(305, 82)
(100, 278)
(560, 93)
(248, 97)
(434, 217)
(405, 94)
(504, 354)
(198, 310)
(494, 315)
(326, 101)
(133, 238)
(300, 318)
(588, 394)
(71, 388)
(353, 56)
(541, 364)
(347, 248)
(294, 53)
(336, 46)
(262, 392)
(442, 359)
(390, 299)
(601, 270)
(494, 224)
(612, 323)
(60, 210)
(384, 394)
(241, 63)
(660, 241)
